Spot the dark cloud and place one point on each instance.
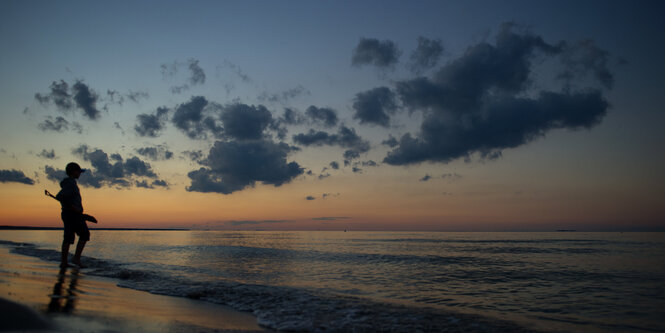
(59, 95)
(86, 100)
(481, 103)
(110, 171)
(425, 178)
(60, 124)
(87, 179)
(390, 142)
(351, 155)
(80, 96)
(151, 124)
(310, 198)
(235, 165)
(370, 51)
(334, 165)
(156, 153)
(48, 154)
(245, 122)
(426, 55)
(195, 118)
(323, 116)
(346, 138)
(375, 106)
(15, 176)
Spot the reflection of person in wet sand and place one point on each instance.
(72, 215)
(55, 305)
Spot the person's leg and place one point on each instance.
(79, 250)
(84, 237)
(65, 253)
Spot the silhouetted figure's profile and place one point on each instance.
(72, 215)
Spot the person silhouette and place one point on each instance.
(72, 215)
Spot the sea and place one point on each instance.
(391, 281)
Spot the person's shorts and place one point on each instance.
(75, 225)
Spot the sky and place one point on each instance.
(333, 115)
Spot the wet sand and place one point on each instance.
(35, 294)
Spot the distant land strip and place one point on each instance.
(8, 227)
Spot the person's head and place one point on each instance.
(73, 170)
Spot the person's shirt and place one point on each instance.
(69, 195)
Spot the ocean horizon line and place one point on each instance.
(609, 230)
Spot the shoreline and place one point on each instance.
(35, 292)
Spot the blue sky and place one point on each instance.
(467, 150)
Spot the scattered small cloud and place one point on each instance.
(310, 198)
(371, 51)
(196, 75)
(59, 124)
(284, 96)
(156, 153)
(47, 154)
(322, 116)
(194, 155)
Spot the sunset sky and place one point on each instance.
(313, 115)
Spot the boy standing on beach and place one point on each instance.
(72, 215)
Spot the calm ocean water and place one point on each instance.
(565, 281)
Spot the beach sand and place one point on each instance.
(35, 294)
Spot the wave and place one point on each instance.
(285, 308)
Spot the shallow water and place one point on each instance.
(565, 281)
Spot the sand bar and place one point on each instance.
(35, 294)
